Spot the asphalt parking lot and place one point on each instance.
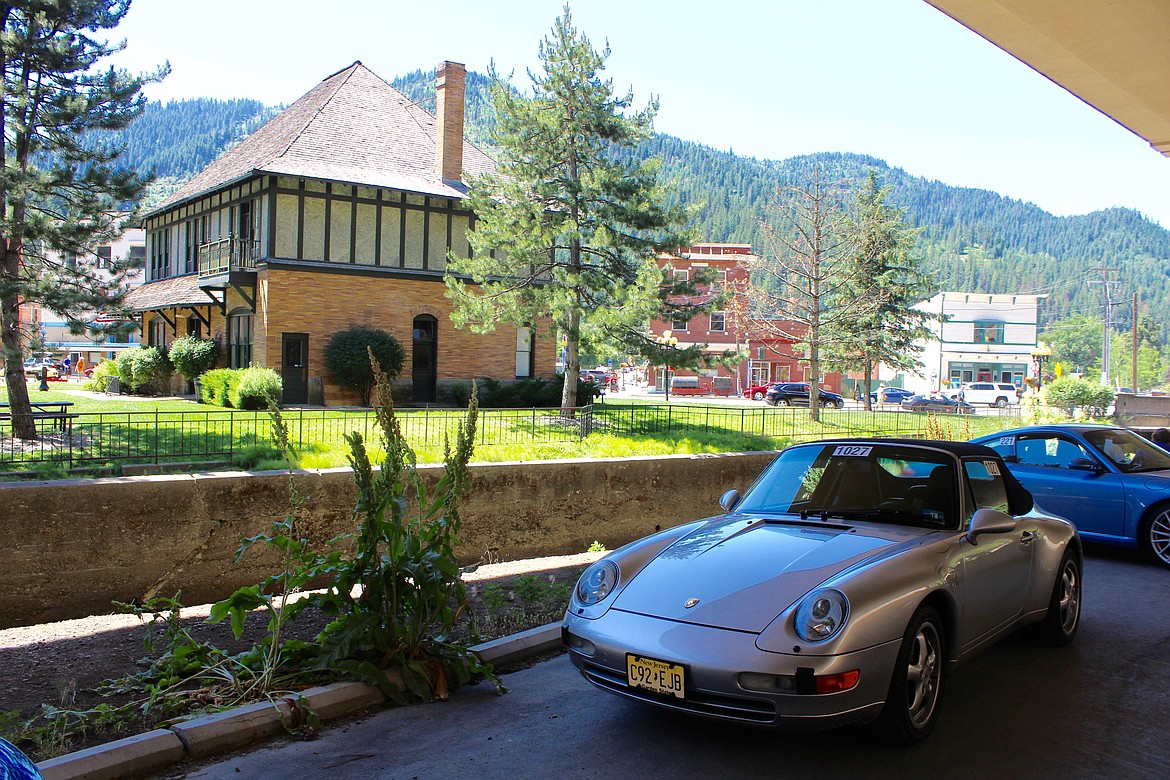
(1097, 709)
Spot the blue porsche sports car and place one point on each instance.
(1110, 482)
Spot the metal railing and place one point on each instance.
(157, 437)
(228, 254)
(89, 439)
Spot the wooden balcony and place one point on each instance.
(232, 257)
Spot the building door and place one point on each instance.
(424, 362)
(294, 368)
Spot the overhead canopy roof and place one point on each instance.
(1112, 54)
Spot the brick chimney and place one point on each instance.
(450, 84)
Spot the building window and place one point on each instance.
(523, 353)
(104, 256)
(719, 282)
(681, 276)
(191, 247)
(718, 321)
(678, 324)
(240, 339)
(194, 327)
(157, 335)
(988, 332)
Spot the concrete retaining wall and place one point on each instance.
(1142, 411)
(74, 547)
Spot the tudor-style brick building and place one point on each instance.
(339, 211)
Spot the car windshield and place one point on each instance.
(878, 482)
(1128, 451)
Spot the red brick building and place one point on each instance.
(766, 358)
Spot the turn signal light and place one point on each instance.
(835, 683)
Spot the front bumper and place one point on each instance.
(714, 658)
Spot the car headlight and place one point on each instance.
(821, 615)
(597, 582)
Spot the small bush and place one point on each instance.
(193, 356)
(1069, 395)
(347, 357)
(218, 385)
(144, 370)
(254, 387)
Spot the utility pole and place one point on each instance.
(1134, 386)
(1104, 281)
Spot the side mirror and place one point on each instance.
(729, 499)
(1084, 464)
(989, 521)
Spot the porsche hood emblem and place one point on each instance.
(690, 603)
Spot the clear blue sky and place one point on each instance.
(773, 78)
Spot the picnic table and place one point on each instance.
(57, 411)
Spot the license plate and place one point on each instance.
(654, 675)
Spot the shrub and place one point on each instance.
(144, 370)
(216, 386)
(1068, 395)
(522, 394)
(254, 386)
(347, 357)
(193, 356)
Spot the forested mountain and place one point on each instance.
(972, 240)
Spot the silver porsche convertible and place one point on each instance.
(840, 588)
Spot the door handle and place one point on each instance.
(1027, 537)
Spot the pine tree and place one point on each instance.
(891, 332)
(566, 230)
(58, 191)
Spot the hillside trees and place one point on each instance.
(807, 285)
(57, 191)
(566, 230)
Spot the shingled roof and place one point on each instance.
(178, 291)
(352, 127)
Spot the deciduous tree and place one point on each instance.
(806, 285)
(59, 186)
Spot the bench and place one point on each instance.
(57, 411)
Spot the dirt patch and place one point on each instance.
(59, 664)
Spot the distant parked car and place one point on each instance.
(998, 394)
(797, 394)
(937, 403)
(33, 366)
(890, 395)
(757, 392)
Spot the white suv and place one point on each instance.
(991, 393)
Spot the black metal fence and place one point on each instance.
(158, 437)
(89, 439)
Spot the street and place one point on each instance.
(1099, 708)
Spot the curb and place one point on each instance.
(233, 729)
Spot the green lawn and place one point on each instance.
(118, 430)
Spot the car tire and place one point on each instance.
(1001, 402)
(1155, 534)
(915, 693)
(757, 396)
(1064, 606)
(785, 402)
(837, 404)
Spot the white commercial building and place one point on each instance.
(981, 338)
